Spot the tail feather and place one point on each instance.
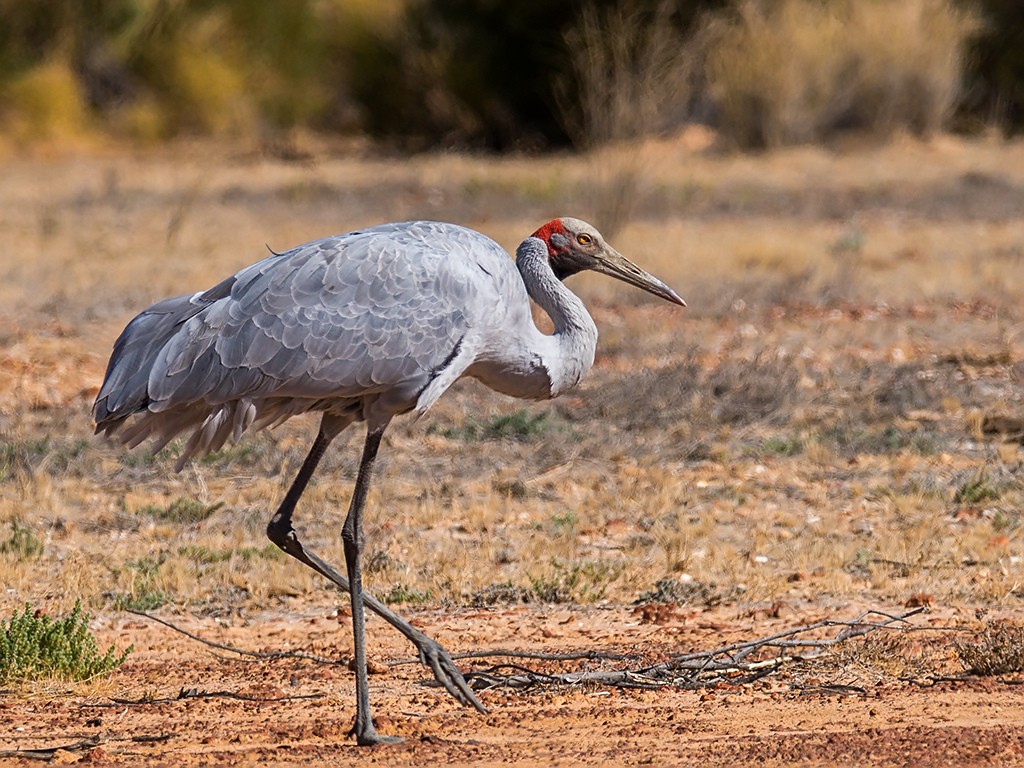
(210, 424)
(125, 387)
(226, 422)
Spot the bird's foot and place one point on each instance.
(434, 656)
(367, 736)
(376, 739)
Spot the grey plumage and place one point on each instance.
(333, 324)
(361, 327)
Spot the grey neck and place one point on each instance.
(570, 353)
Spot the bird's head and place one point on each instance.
(575, 246)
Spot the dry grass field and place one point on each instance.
(834, 424)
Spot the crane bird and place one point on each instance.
(363, 326)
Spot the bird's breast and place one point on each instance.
(527, 379)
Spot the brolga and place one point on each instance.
(360, 327)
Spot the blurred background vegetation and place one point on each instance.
(486, 74)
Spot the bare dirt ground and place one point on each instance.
(833, 426)
(297, 712)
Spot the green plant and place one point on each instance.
(521, 425)
(1005, 521)
(34, 646)
(400, 593)
(245, 454)
(976, 490)
(145, 459)
(852, 440)
(143, 595)
(565, 522)
(23, 457)
(671, 590)
(206, 556)
(518, 426)
(581, 582)
(502, 593)
(181, 510)
(778, 445)
(148, 600)
(23, 543)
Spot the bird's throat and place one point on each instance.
(569, 353)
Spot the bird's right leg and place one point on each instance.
(432, 654)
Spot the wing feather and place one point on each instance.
(345, 316)
(372, 317)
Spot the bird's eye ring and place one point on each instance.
(584, 239)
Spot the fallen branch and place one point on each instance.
(852, 628)
(701, 669)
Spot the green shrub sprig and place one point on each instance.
(34, 646)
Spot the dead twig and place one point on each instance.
(658, 676)
(851, 628)
(195, 693)
(537, 655)
(838, 688)
(85, 745)
(578, 655)
(242, 651)
(152, 739)
(47, 753)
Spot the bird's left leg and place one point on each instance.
(352, 538)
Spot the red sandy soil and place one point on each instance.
(303, 710)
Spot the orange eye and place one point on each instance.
(584, 239)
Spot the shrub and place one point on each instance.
(997, 650)
(494, 74)
(400, 593)
(506, 75)
(155, 69)
(584, 581)
(45, 101)
(629, 74)
(977, 490)
(144, 592)
(34, 646)
(23, 543)
(994, 67)
(794, 71)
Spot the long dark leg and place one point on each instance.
(280, 531)
(352, 536)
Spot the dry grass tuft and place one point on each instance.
(998, 649)
(886, 656)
